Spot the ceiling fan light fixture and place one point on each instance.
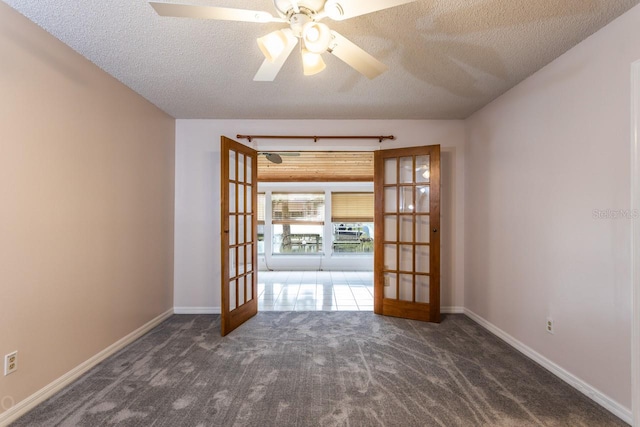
(312, 63)
(316, 36)
(272, 45)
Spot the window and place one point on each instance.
(298, 220)
(352, 221)
(261, 202)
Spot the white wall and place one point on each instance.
(197, 228)
(540, 159)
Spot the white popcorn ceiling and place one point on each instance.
(446, 58)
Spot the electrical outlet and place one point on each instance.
(550, 325)
(10, 363)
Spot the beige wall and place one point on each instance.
(540, 160)
(86, 208)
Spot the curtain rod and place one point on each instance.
(250, 138)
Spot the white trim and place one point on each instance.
(197, 310)
(596, 395)
(216, 310)
(49, 390)
(635, 241)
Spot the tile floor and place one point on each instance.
(315, 291)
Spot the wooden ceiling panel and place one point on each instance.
(318, 166)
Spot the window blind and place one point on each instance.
(289, 208)
(352, 207)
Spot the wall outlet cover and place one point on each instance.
(10, 363)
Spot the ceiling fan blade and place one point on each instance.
(344, 9)
(212, 12)
(269, 70)
(273, 158)
(355, 56)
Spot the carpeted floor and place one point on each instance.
(319, 369)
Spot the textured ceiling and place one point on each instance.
(446, 58)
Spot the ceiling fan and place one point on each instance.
(303, 17)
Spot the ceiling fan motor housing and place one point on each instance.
(297, 22)
(308, 7)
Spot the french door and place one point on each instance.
(407, 237)
(239, 246)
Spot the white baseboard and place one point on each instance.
(196, 310)
(594, 394)
(24, 406)
(216, 310)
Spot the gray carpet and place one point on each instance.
(319, 369)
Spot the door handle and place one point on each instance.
(435, 230)
(226, 231)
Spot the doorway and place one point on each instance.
(315, 246)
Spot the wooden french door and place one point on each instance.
(239, 246)
(407, 233)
